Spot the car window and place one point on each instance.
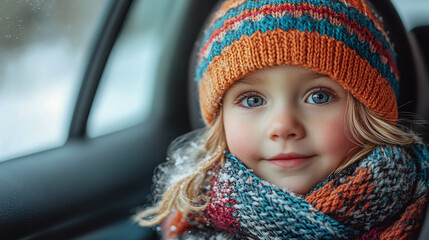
(125, 95)
(44, 45)
(412, 12)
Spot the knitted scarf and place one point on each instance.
(383, 196)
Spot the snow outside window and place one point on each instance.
(44, 47)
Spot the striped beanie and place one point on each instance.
(340, 38)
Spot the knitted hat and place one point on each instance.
(340, 38)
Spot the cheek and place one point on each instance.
(240, 138)
(334, 139)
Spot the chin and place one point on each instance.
(300, 190)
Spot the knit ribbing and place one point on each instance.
(338, 38)
(319, 53)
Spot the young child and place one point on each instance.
(303, 140)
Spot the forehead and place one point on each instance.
(257, 77)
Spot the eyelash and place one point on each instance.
(323, 90)
(245, 94)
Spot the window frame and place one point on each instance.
(88, 184)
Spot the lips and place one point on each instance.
(289, 160)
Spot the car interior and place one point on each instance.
(90, 188)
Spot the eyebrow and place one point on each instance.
(250, 81)
(259, 81)
(318, 75)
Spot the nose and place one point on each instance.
(286, 126)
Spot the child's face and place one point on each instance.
(287, 124)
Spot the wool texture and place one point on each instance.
(382, 196)
(340, 38)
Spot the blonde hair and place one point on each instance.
(368, 130)
(365, 128)
(185, 195)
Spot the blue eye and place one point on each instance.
(253, 101)
(319, 97)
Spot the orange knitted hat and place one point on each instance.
(340, 38)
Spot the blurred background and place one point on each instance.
(45, 46)
(413, 13)
(91, 94)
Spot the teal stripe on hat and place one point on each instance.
(303, 23)
(338, 7)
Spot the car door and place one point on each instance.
(129, 102)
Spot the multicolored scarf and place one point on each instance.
(383, 196)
